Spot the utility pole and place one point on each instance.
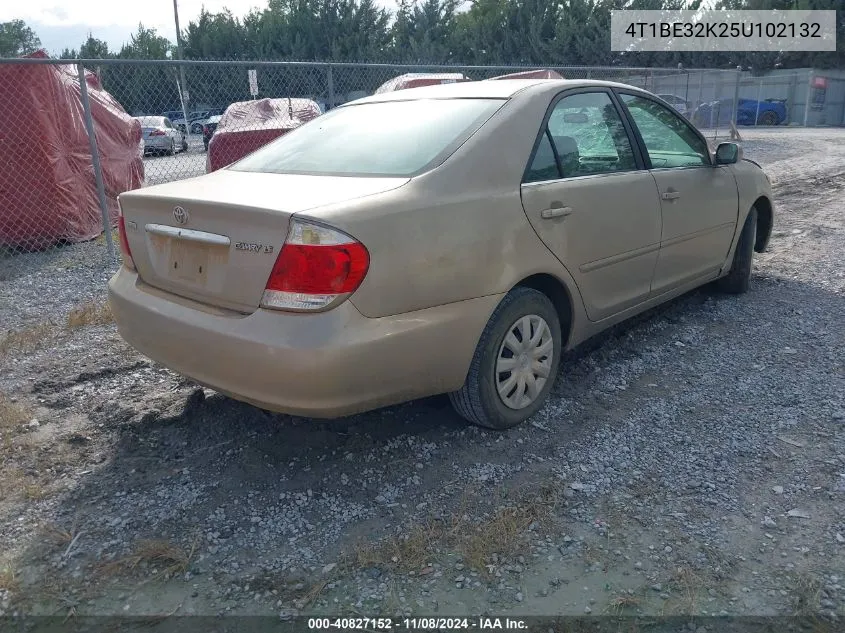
(184, 97)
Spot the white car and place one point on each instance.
(679, 103)
(160, 136)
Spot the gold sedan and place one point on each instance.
(446, 239)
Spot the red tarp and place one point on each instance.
(47, 188)
(531, 74)
(416, 80)
(247, 125)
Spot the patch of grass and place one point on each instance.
(27, 339)
(58, 536)
(623, 603)
(163, 556)
(311, 595)
(12, 414)
(497, 536)
(806, 595)
(90, 313)
(503, 534)
(408, 552)
(8, 579)
(34, 492)
(687, 585)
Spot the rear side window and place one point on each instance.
(392, 138)
(544, 165)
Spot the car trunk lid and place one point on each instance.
(214, 239)
(147, 131)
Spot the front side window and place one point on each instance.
(669, 141)
(586, 136)
(391, 138)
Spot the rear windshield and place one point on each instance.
(151, 121)
(393, 138)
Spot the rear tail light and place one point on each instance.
(317, 268)
(158, 133)
(125, 253)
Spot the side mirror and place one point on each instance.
(728, 153)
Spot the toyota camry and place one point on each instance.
(446, 239)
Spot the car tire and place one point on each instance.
(172, 150)
(184, 145)
(767, 118)
(479, 400)
(738, 278)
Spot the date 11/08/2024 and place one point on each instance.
(417, 624)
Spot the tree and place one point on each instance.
(92, 48)
(146, 44)
(17, 39)
(422, 31)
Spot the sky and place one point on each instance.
(66, 23)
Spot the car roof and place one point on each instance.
(499, 89)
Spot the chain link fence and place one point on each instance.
(160, 121)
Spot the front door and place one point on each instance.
(699, 200)
(590, 203)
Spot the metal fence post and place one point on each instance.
(759, 96)
(330, 84)
(736, 97)
(95, 158)
(807, 99)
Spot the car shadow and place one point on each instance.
(170, 474)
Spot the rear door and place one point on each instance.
(591, 202)
(699, 200)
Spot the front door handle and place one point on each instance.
(555, 212)
(670, 195)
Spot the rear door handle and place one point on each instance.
(670, 195)
(555, 212)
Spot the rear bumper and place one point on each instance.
(157, 142)
(322, 365)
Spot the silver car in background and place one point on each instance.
(160, 137)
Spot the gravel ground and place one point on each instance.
(691, 462)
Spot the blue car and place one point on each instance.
(748, 112)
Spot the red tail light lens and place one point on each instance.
(158, 133)
(125, 253)
(317, 266)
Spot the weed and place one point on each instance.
(90, 313)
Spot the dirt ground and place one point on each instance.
(691, 462)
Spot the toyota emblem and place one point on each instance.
(180, 215)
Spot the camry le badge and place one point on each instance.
(252, 247)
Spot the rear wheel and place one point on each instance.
(184, 144)
(172, 150)
(767, 118)
(738, 279)
(515, 362)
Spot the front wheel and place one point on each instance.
(738, 279)
(515, 362)
(768, 118)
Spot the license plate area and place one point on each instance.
(189, 261)
(193, 260)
